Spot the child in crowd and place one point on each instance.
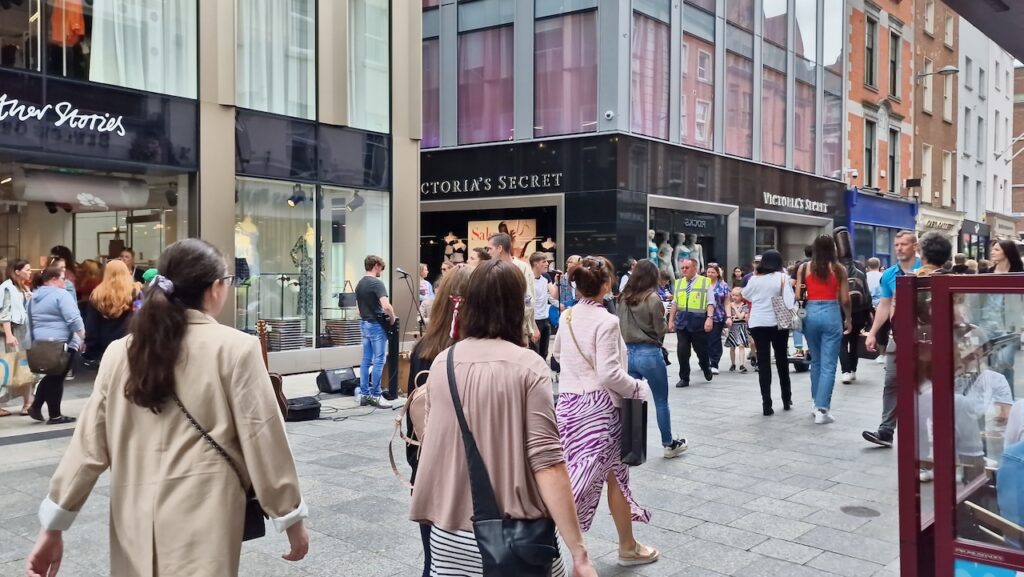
(738, 338)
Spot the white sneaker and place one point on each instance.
(677, 448)
(714, 370)
(847, 378)
(853, 377)
(927, 475)
(823, 417)
(880, 360)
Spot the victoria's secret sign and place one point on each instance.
(525, 183)
(60, 115)
(804, 204)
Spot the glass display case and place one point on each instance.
(961, 442)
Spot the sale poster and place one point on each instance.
(522, 231)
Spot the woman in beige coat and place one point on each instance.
(176, 505)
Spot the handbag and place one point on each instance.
(783, 315)
(255, 525)
(508, 547)
(632, 416)
(347, 298)
(46, 357)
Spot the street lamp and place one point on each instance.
(944, 71)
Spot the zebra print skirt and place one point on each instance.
(590, 428)
(455, 554)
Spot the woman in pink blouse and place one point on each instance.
(592, 354)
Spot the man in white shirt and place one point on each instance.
(874, 274)
(541, 301)
(630, 265)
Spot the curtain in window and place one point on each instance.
(146, 45)
(369, 84)
(276, 56)
(485, 86)
(565, 66)
(649, 90)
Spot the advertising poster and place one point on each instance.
(523, 233)
(964, 568)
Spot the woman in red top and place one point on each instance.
(822, 287)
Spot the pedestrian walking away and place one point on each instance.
(691, 316)
(821, 286)
(542, 301)
(184, 416)
(594, 379)
(858, 287)
(770, 281)
(643, 325)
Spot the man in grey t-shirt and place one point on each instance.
(374, 310)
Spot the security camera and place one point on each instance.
(609, 114)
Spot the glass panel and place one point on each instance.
(431, 136)
(353, 224)
(708, 5)
(700, 24)
(805, 31)
(565, 65)
(274, 146)
(485, 14)
(739, 103)
(882, 240)
(20, 31)
(776, 21)
(741, 13)
(832, 133)
(773, 117)
(698, 91)
(545, 8)
(922, 376)
(369, 86)
(275, 64)
(431, 3)
(138, 44)
(833, 41)
(275, 258)
(987, 423)
(739, 41)
(432, 24)
(659, 9)
(863, 247)
(485, 86)
(355, 158)
(804, 126)
(649, 90)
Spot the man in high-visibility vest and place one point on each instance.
(691, 316)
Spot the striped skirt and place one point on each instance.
(455, 554)
(591, 432)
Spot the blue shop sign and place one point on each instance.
(870, 208)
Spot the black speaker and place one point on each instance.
(303, 409)
(342, 381)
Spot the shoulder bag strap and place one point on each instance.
(220, 450)
(572, 333)
(485, 504)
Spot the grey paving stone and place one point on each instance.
(776, 568)
(725, 535)
(835, 520)
(772, 526)
(716, 557)
(780, 508)
(717, 512)
(849, 544)
(786, 551)
(845, 566)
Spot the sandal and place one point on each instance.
(641, 555)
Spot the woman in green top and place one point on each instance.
(643, 325)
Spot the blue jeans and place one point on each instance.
(798, 340)
(823, 328)
(375, 348)
(646, 362)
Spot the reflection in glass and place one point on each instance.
(20, 31)
(804, 126)
(565, 69)
(739, 102)
(833, 41)
(741, 13)
(369, 85)
(805, 31)
(276, 56)
(775, 21)
(832, 130)
(708, 5)
(698, 92)
(431, 93)
(649, 88)
(485, 85)
(773, 117)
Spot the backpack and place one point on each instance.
(857, 280)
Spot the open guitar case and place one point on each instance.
(297, 409)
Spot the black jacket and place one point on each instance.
(100, 331)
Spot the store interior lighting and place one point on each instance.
(6, 179)
(357, 201)
(51, 207)
(298, 196)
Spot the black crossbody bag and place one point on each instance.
(508, 547)
(255, 524)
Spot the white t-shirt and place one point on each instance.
(623, 281)
(540, 298)
(874, 280)
(760, 290)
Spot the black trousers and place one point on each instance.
(848, 358)
(685, 341)
(715, 343)
(766, 339)
(544, 325)
(51, 391)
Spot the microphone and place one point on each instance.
(401, 272)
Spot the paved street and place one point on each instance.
(753, 497)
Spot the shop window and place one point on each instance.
(739, 121)
(776, 21)
(863, 242)
(805, 128)
(353, 224)
(833, 40)
(698, 80)
(565, 69)
(369, 68)
(805, 30)
(773, 117)
(137, 44)
(275, 62)
(276, 260)
(431, 136)
(485, 85)
(765, 239)
(649, 86)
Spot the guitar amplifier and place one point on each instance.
(343, 381)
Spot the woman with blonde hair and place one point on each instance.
(108, 311)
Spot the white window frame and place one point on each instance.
(894, 176)
(926, 174)
(995, 134)
(682, 117)
(705, 75)
(948, 34)
(870, 176)
(700, 125)
(967, 131)
(871, 25)
(981, 139)
(968, 73)
(947, 98)
(686, 62)
(982, 85)
(926, 93)
(997, 77)
(947, 178)
(929, 17)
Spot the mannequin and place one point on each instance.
(247, 237)
(696, 250)
(305, 246)
(548, 244)
(450, 238)
(652, 249)
(682, 253)
(665, 258)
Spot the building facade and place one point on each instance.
(710, 128)
(276, 138)
(1017, 161)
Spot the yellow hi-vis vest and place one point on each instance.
(698, 299)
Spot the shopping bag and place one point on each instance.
(23, 378)
(634, 431)
(8, 364)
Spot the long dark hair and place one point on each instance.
(493, 305)
(771, 262)
(157, 330)
(823, 257)
(12, 268)
(64, 253)
(1012, 254)
(642, 282)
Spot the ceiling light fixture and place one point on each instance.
(298, 196)
(6, 180)
(357, 201)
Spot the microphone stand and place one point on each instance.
(413, 303)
